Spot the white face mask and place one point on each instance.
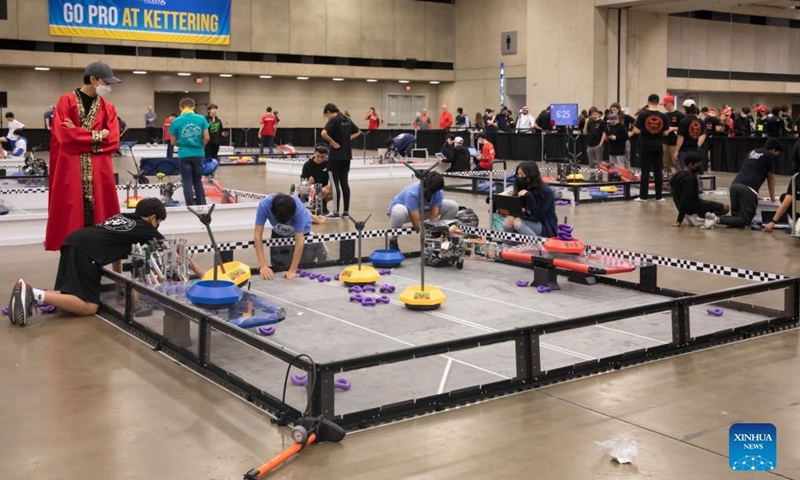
(102, 90)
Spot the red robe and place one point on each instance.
(72, 178)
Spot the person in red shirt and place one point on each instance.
(267, 132)
(486, 158)
(445, 119)
(373, 119)
(166, 136)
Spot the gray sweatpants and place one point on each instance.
(595, 155)
(744, 203)
(399, 214)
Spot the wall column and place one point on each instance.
(647, 57)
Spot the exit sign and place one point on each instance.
(198, 80)
(408, 88)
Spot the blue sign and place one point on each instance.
(174, 21)
(753, 447)
(564, 114)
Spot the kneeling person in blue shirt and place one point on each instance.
(405, 206)
(288, 217)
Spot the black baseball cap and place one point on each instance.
(102, 71)
(653, 98)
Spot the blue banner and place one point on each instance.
(174, 21)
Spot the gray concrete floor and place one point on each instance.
(83, 400)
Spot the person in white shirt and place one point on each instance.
(524, 121)
(19, 144)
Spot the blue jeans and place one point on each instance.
(192, 178)
(269, 142)
(527, 227)
(170, 150)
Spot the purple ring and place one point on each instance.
(267, 331)
(368, 288)
(383, 299)
(354, 289)
(342, 384)
(313, 276)
(303, 273)
(357, 298)
(387, 288)
(385, 271)
(522, 283)
(716, 311)
(368, 302)
(5, 310)
(45, 308)
(336, 277)
(323, 278)
(542, 289)
(300, 380)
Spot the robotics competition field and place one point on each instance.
(498, 331)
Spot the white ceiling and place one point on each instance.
(767, 8)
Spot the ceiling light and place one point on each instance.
(372, 80)
(338, 79)
(403, 81)
(265, 76)
(139, 72)
(42, 69)
(302, 78)
(186, 91)
(184, 74)
(225, 75)
(435, 82)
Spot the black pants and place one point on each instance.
(212, 151)
(340, 171)
(744, 204)
(281, 257)
(652, 162)
(153, 134)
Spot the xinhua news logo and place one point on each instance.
(753, 447)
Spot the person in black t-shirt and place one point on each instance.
(315, 170)
(773, 125)
(743, 123)
(691, 133)
(685, 189)
(339, 132)
(215, 132)
(761, 121)
(543, 121)
(595, 131)
(460, 160)
(712, 122)
(674, 117)
(629, 122)
(759, 166)
(617, 140)
(651, 126)
(83, 255)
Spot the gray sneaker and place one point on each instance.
(22, 303)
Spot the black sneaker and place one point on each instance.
(345, 215)
(22, 303)
(393, 245)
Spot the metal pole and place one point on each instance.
(422, 231)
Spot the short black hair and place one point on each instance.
(389, 142)
(330, 108)
(773, 144)
(211, 105)
(776, 110)
(480, 135)
(9, 114)
(432, 183)
(151, 206)
(283, 207)
(269, 109)
(321, 148)
(460, 110)
(692, 157)
(87, 79)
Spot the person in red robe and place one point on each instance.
(85, 133)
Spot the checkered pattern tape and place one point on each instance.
(644, 258)
(479, 174)
(244, 194)
(147, 186)
(284, 242)
(493, 235)
(9, 191)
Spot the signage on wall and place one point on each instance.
(502, 83)
(508, 43)
(174, 21)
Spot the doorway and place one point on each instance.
(402, 110)
(167, 103)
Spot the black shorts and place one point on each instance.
(78, 275)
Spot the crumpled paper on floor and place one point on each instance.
(621, 449)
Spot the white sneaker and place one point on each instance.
(661, 200)
(694, 220)
(639, 199)
(711, 221)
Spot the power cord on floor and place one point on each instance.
(282, 418)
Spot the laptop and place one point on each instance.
(440, 156)
(506, 205)
(473, 152)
